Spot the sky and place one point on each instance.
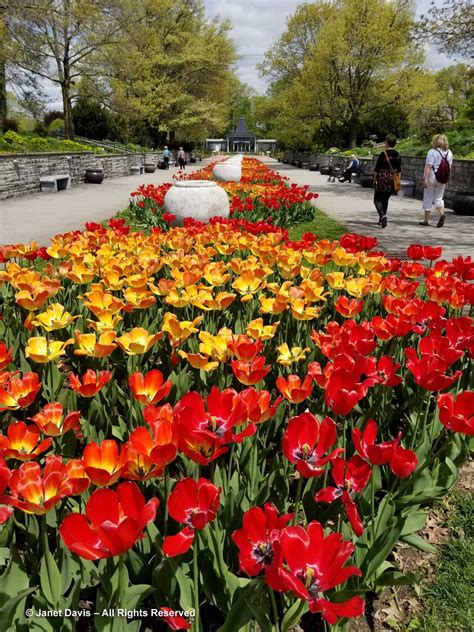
(256, 25)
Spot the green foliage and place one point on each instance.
(13, 142)
(321, 225)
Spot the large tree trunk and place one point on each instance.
(67, 108)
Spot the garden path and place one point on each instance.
(42, 215)
(353, 205)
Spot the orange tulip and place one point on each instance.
(38, 492)
(21, 442)
(6, 355)
(149, 389)
(20, 392)
(103, 463)
(51, 422)
(55, 317)
(90, 383)
(293, 390)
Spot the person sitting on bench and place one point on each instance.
(353, 167)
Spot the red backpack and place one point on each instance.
(444, 170)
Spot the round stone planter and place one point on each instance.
(324, 171)
(199, 199)
(407, 187)
(94, 176)
(463, 203)
(228, 171)
(314, 167)
(367, 180)
(150, 168)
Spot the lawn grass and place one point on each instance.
(447, 600)
(322, 225)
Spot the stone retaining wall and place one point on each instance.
(462, 176)
(20, 173)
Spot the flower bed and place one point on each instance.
(262, 195)
(216, 421)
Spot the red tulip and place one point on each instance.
(113, 522)
(348, 307)
(90, 383)
(244, 348)
(259, 408)
(343, 391)
(174, 621)
(306, 442)
(6, 355)
(351, 477)
(193, 503)
(308, 564)
(260, 527)
(457, 414)
(250, 373)
(429, 371)
(402, 462)
(226, 411)
(149, 389)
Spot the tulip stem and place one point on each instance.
(425, 419)
(197, 624)
(122, 586)
(274, 609)
(299, 491)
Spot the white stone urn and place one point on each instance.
(199, 199)
(228, 171)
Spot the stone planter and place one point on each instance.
(192, 160)
(314, 167)
(228, 171)
(463, 203)
(94, 176)
(150, 168)
(367, 180)
(199, 199)
(324, 171)
(407, 187)
(161, 164)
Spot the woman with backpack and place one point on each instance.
(435, 177)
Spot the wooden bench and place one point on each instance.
(54, 183)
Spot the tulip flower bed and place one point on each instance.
(262, 195)
(212, 427)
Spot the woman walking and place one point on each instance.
(387, 177)
(435, 177)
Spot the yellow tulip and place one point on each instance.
(179, 330)
(40, 350)
(88, 345)
(288, 356)
(258, 331)
(55, 317)
(137, 341)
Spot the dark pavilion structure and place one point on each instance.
(241, 140)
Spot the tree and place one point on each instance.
(172, 69)
(362, 61)
(54, 40)
(456, 86)
(449, 24)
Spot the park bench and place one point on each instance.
(135, 171)
(54, 183)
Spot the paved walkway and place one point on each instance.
(41, 215)
(353, 205)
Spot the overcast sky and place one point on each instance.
(256, 25)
